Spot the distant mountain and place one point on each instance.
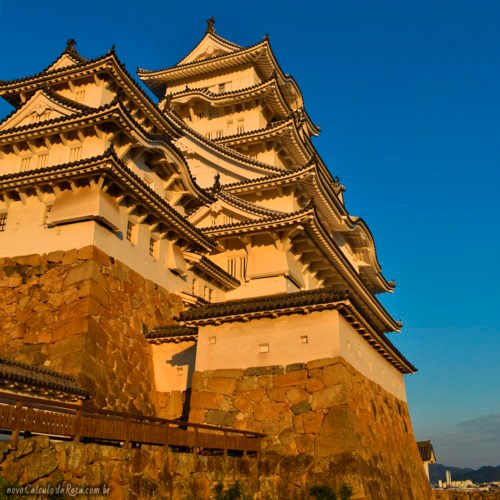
(482, 475)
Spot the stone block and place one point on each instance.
(228, 373)
(287, 436)
(221, 385)
(197, 381)
(28, 260)
(206, 400)
(256, 395)
(321, 363)
(312, 422)
(305, 443)
(278, 394)
(295, 366)
(337, 373)
(246, 384)
(265, 381)
(242, 403)
(84, 271)
(298, 424)
(296, 395)
(86, 253)
(301, 407)
(291, 378)
(328, 397)
(264, 370)
(221, 418)
(313, 385)
(70, 257)
(270, 412)
(11, 281)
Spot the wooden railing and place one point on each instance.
(65, 420)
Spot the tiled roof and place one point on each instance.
(172, 333)
(31, 377)
(265, 303)
(426, 450)
(160, 203)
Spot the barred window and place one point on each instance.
(130, 230)
(75, 153)
(43, 160)
(3, 222)
(25, 163)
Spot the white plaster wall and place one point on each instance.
(27, 234)
(237, 343)
(362, 356)
(173, 365)
(234, 80)
(328, 335)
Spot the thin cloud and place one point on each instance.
(488, 426)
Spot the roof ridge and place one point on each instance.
(270, 126)
(270, 218)
(142, 71)
(247, 204)
(27, 366)
(228, 151)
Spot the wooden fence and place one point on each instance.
(64, 420)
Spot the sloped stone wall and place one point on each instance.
(82, 313)
(333, 423)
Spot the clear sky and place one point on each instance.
(407, 97)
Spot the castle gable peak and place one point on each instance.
(43, 105)
(211, 45)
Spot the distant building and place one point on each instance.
(448, 476)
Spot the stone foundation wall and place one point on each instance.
(83, 313)
(340, 426)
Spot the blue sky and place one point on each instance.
(406, 94)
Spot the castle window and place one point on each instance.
(46, 115)
(200, 115)
(304, 339)
(212, 340)
(80, 95)
(3, 222)
(131, 232)
(152, 247)
(219, 134)
(208, 135)
(75, 153)
(46, 214)
(25, 163)
(263, 348)
(222, 87)
(43, 160)
(208, 294)
(194, 286)
(239, 108)
(237, 266)
(240, 127)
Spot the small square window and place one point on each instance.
(304, 339)
(263, 348)
(212, 340)
(222, 87)
(130, 231)
(180, 370)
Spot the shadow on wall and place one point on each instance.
(187, 357)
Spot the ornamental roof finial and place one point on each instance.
(217, 185)
(211, 25)
(71, 44)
